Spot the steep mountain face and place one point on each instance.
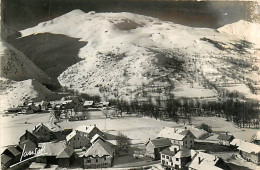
(16, 66)
(133, 56)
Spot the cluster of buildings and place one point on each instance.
(48, 144)
(174, 147)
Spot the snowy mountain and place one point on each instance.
(245, 30)
(125, 54)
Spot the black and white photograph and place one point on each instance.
(130, 84)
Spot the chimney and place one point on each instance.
(185, 127)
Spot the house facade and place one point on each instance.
(225, 139)
(175, 157)
(153, 147)
(76, 141)
(177, 136)
(99, 155)
(43, 133)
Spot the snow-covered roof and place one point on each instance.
(99, 148)
(58, 149)
(72, 134)
(95, 137)
(85, 129)
(249, 147)
(236, 142)
(88, 103)
(204, 161)
(173, 133)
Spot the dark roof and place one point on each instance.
(162, 142)
(225, 137)
(5, 158)
(167, 151)
(29, 146)
(13, 150)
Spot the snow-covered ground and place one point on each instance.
(138, 129)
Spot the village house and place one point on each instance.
(175, 157)
(88, 104)
(74, 116)
(43, 132)
(28, 136)
(249, 151)
(76, 141)
(89, 131)
(153, 147)
(58, 153)
(205, 161)
(10, 156)
(225, 139)
(48, 132)
(99, 155)
(177, 136)
(31, 108)
(27, 146)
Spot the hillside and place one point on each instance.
(16, 92)
(133, 56)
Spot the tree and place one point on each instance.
(123, 142)
(206, 127)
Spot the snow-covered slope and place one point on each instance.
(16, 92)
(125, 51)
(245, 30)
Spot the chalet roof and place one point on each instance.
(49, 126)
(181, 151)
(204, 161)
(172, 133)
(95, 137)
(236, 142)
(249, 147)
(13, 150)
(58, 149)
(162, 142)
(29, 133)
(88, 103)
(85, 129)
(184, 152)
(73, 134)
(99, 148)
(5, 159)
(225, 137)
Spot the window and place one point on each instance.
(105, 158)
(88, 161)
(176, 167)
(167, 157)
(97, 160)
(177, 159)
(163, 156)
(186, 142)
